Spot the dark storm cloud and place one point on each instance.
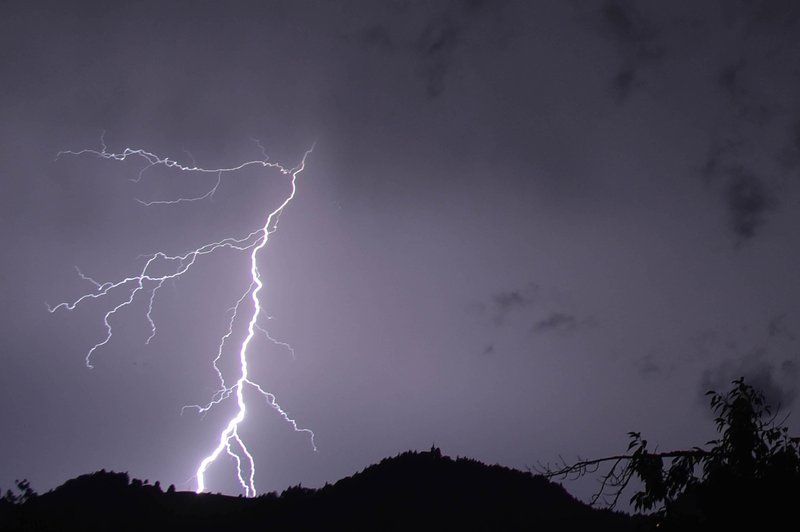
(556, 321)
(437, 44)
(377, 37)
(777, 328)
(777, 380)
(561, 321)
(747, 197)
(435, 41)
(432, 49)
(750, 106)
(435, 47)
(720, 154)
(707, 343)
(507, 301)
(772, 15)
(748, 202)
(728, 78)
(757, 139)
(637, 39)
(648, 367)
(625, 81)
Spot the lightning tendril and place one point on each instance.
(146, 282)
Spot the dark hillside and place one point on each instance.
(411, 491)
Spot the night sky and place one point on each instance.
(526, 228)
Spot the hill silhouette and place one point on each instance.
(413, 490)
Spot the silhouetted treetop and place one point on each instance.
(750, 474)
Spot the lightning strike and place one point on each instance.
(145, 281)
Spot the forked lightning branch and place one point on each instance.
(145, 283)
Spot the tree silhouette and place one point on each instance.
(24, 492)
(749, 475)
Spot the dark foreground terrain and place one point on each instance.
(412, 491)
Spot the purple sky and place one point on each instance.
(527, 228)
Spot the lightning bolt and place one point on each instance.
(146, 281)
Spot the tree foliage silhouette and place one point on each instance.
(751, 473)
(24, 493)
